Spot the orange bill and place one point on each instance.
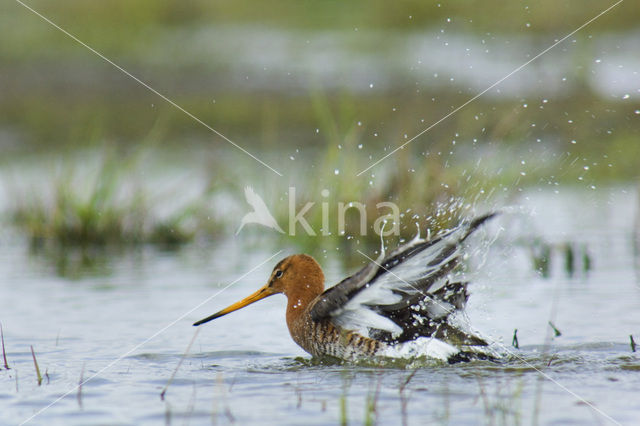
(263, 292)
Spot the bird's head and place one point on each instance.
(299, 277)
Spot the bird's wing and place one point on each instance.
(404, 295)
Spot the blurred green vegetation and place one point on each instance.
(55, 90)
(57, 96)
(121, 18)
(103, 208)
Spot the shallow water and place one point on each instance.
(127, 322)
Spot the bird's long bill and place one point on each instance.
(260, 294)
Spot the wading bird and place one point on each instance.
(403, 305)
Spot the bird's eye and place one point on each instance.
(278, 274)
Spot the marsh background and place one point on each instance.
(119, 211)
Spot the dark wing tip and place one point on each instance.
(477, 222)
(480, 220)
(337, 296)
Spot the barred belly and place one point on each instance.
(324, 338)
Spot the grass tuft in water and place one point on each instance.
(586, 259)
(514, 341)
(575, 257)
(4, 353)
(501, 408)
(404, 398)
(35, 363)
(173, 375)
(631, 342)
(569, 261)
(371, 403)
(541, 255)
(80, 383)
(108, 208)
(346, 384)
(556, 332)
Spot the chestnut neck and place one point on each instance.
(303, 288)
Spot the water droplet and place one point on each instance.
(370, 85)
(626, 96)
(336, 172)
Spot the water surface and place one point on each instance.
(127, 321)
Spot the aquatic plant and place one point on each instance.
(344, 209)
(4, 353)
(502, 408)
(404, 399)
(80, 383)
(575, 257)
(35, 364)
(82, 208)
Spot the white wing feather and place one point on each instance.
(357, 314)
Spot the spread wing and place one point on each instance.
(406, 295)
